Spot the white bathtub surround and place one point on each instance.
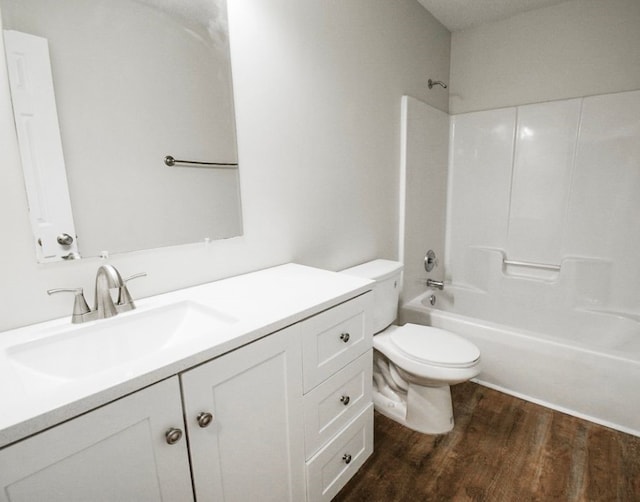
(423, 191)
(545, 142)
(555, 184)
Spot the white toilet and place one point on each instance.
(413, 365)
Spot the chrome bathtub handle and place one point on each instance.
(430, 260)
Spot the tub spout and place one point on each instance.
(431, 283)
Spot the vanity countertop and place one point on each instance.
(257, 304)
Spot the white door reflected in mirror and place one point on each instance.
(36, 119)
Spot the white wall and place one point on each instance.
(318, 88)
(574, 49)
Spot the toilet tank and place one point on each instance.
(387, 275)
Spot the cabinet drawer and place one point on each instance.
(335, 402)
(330, 469)
(334, 338)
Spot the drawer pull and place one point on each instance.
(345, 400)
(204, 419)
(345, 337)
(173, 435)
(346, 458)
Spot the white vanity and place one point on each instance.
(256, 387)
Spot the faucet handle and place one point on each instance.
(80, 307)
(430, 261)
(124, 297)
(135, 276)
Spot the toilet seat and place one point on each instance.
(434, 346)
(432, 364)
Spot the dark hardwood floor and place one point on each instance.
(502, 449)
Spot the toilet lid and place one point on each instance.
(434, 346)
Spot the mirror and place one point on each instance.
(135, 81)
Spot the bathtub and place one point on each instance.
(582, 362)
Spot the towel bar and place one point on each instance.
(171, 162)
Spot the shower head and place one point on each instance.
(431, 83)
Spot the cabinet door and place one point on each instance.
(253, 449)
(116, 452)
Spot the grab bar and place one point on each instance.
(170, 161)
(531, 264)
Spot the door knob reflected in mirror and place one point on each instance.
(64, 239)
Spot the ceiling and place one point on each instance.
(458, 15)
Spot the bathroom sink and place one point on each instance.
(79, 351)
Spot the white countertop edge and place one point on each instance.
(247, 331)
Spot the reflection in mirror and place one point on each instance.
(134, 81)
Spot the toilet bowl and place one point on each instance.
(414, 366)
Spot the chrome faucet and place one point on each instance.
(107, 278)
(431, 283)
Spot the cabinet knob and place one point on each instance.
(345, 400)
(173, 435)
(345, 337)
(346, 458)
(204, 419)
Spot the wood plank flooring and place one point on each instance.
(502, 449)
